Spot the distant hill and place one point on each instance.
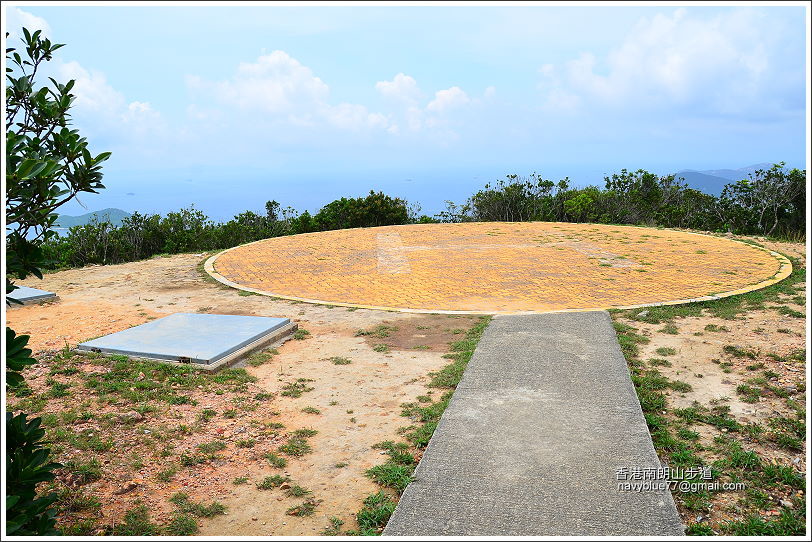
(114, 216)
(712, 181)
(736, 174)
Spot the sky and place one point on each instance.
(228, 107)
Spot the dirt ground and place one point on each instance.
(359, 403)
(771, 345)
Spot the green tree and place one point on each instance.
(47, 165)
(578, 207)
(376, 209)
(759, 203)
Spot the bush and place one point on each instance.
(376, 209)
(28, 464)
(769, 202)
(753, 206)
(189, 230)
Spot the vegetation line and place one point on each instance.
(395, 474)
(771, 202)
(770, 488)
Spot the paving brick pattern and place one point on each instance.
(496, 266)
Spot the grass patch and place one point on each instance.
(669, 328)
(275, 460)
(297, 491)
(271, 482)
(377, 510)
(307, 508)
(728, 308)
(391, 475)
(84, 471)
(167, 475)
(185, 505)
(211, 447)
(296, 447)
(380, 331)
(259, 358)
(297, 388)
(666, 351)
(738, 352)
(246, 443)
(137, 523)
(461, 352)
(334, 528)
(397, 471)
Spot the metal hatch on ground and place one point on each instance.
(206, 341)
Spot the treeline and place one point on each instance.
(770, 202)
(142, 236)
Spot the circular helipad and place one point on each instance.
(498, 267)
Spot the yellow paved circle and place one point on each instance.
(498, 267)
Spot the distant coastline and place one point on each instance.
(112, 215)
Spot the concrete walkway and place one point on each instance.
(530, 445)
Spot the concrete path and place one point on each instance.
(530, 445)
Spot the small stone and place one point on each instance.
(131, 416)
(786, 504)
(642, 314)
(126, 488)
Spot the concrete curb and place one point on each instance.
(784, 270)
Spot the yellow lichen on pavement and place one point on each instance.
(497, 267)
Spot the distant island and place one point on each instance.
(114, 216)
(712, 181)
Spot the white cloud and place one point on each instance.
(402, 87)
(275, 83)
(92, 91)
(440, 120)
(448, 99)
(281, 88)
(718, 64)
(18, 19)
(101, 108)
(354, 117)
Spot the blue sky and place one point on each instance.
(227, 107)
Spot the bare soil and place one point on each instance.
(359, 403)
(772, 341)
